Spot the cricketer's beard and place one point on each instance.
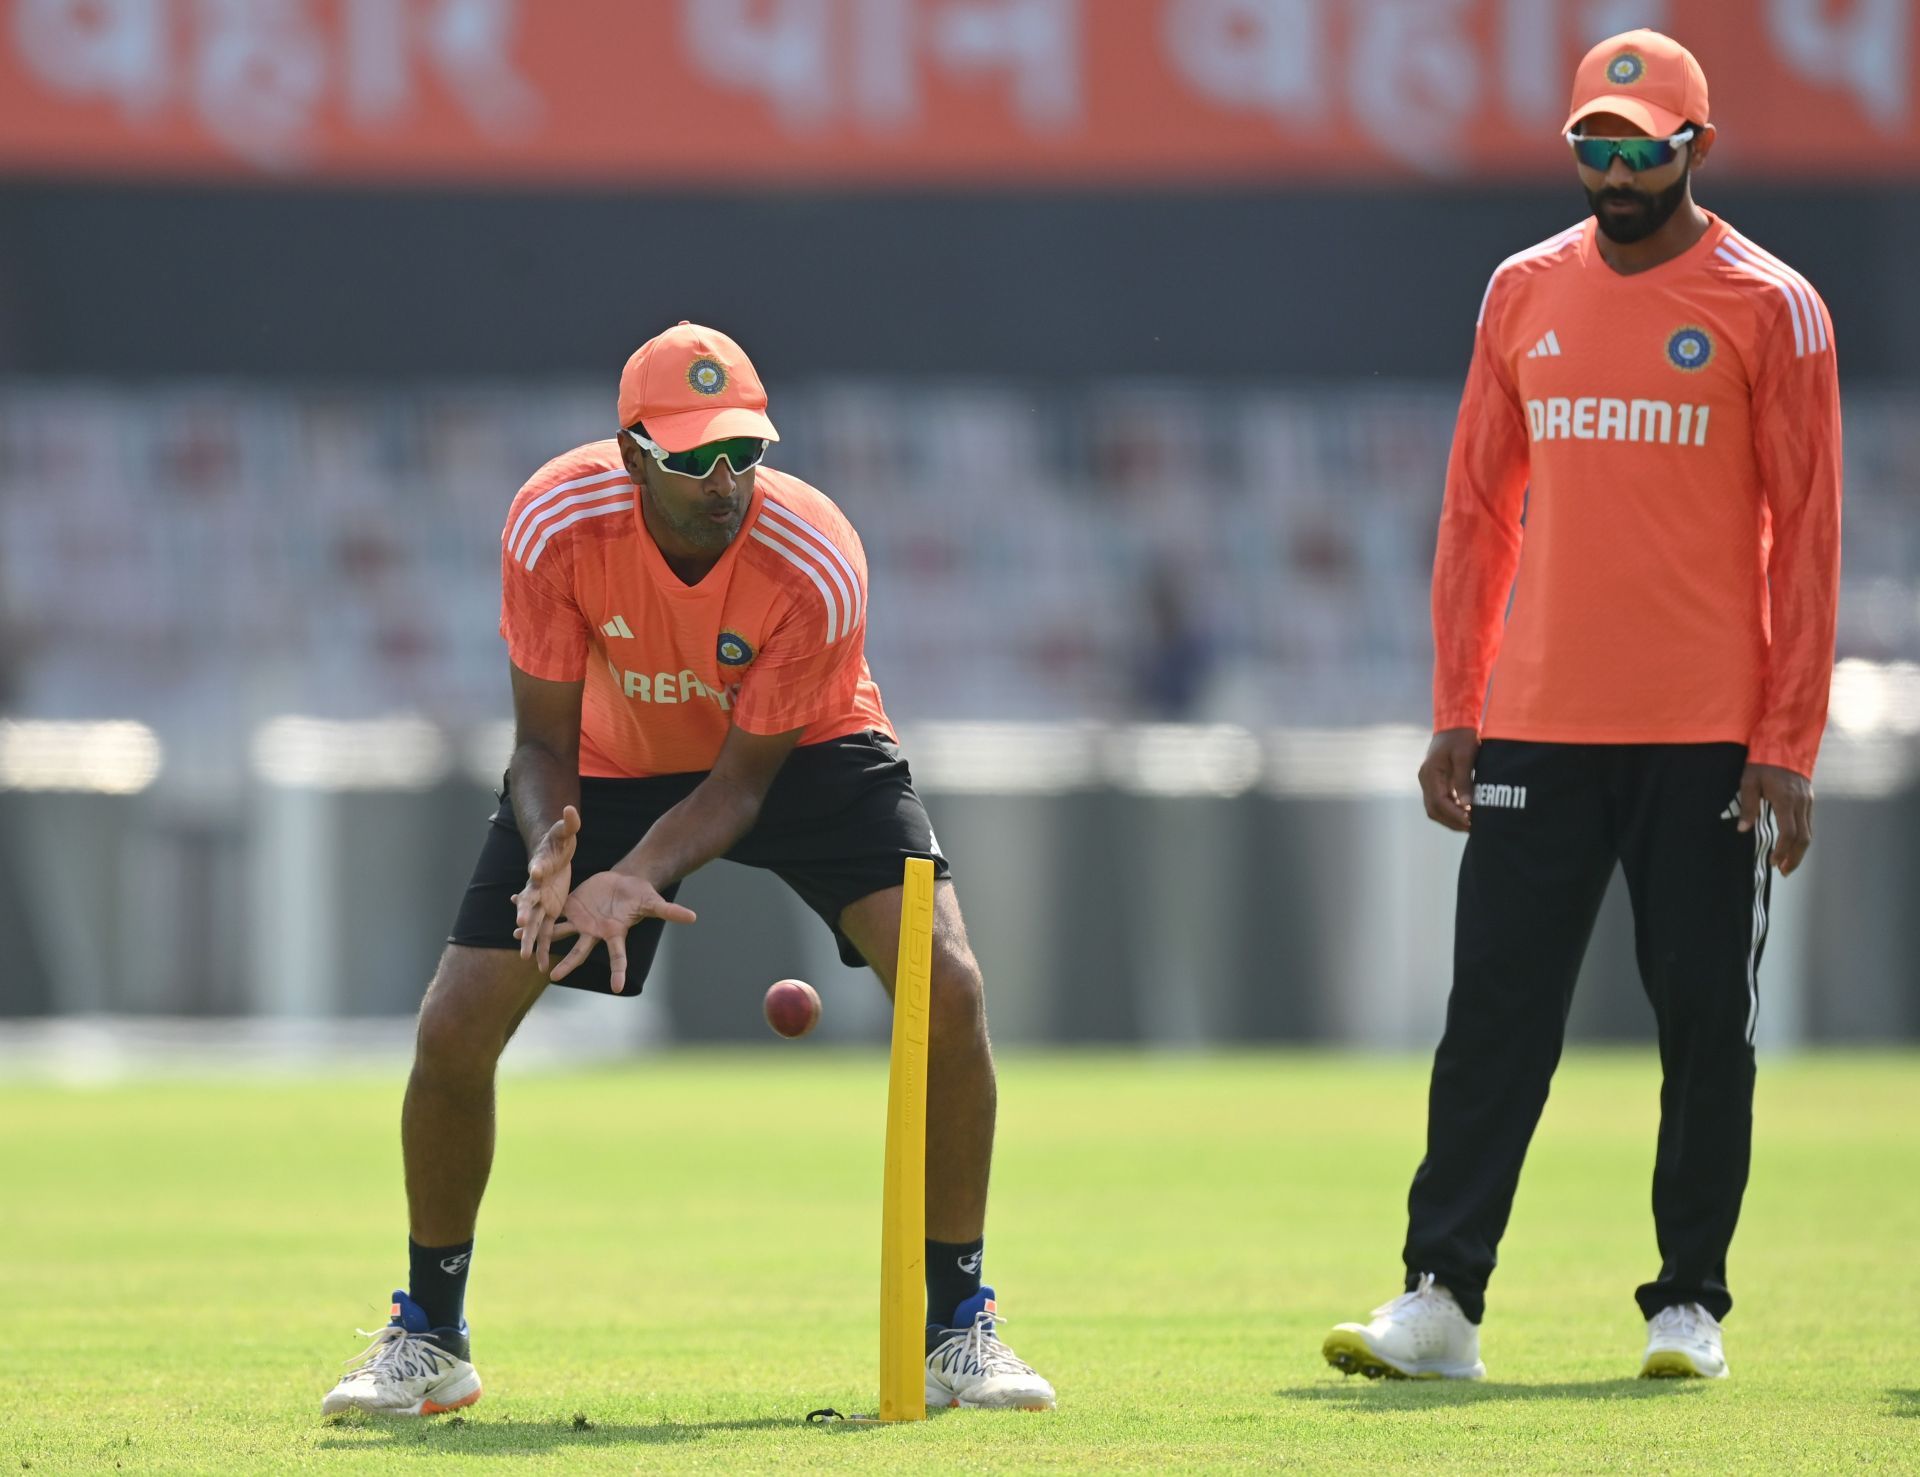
(1654, 212)
(695, 527)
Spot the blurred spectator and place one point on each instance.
(1176, 654)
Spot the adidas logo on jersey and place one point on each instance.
(618, 627)
(1547, 348)
(1598, 418)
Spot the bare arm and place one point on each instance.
(543, 779)
(718, 813)
(721, 809)
(544, 773)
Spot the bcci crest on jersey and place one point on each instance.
(1689, 349)
(733, 650)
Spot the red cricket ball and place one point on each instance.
(793, 1007)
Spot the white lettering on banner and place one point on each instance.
(376, 52)
(471, 42)
(1868, 51)
(884, 82)
(1537, 37)
(1414, 73)
(274, 80)
(97, 48)
(1252, 53)
(1038, 39)
(1603, 418)
(1600, 19)
(1414, 66)
(466, 42)
(259, 73)
(1530, 58)
(820, 61)
(783, 49)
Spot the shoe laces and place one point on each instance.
(1684, 1320)
(979, 1349)
(396, 1354)
(1426, 1296)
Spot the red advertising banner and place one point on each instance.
(908, 93)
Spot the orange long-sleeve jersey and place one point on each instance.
(1641, 535)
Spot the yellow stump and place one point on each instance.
(903, 1232)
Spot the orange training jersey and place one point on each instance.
(1641, 538)
(772, 639)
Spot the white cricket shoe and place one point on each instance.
(1420, 1335)
(405, 1371)
(969, 1366)
(1683, 1341)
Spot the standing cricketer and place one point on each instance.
(1633, 612)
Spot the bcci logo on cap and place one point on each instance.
(1626, 69)
(1689, 349)
(733, 650)
(707, 376)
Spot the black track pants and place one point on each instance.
(1549, 823)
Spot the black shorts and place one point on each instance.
(838, 824)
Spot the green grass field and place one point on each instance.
(678, 1261)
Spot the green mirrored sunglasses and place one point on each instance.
(1636, 153)
(740, 453)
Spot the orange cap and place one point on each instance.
(1647, 78)
(691, 385)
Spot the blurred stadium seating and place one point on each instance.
(202, 557)
(208, 556)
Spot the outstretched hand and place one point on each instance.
(601, 910)
(538, 905)
(1790, 796)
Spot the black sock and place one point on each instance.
(437, 1281)
(953, 1276)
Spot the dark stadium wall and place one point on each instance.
(1288, 284)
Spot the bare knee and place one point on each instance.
(476, 1000)
(958, 1009)
(449, 1045)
